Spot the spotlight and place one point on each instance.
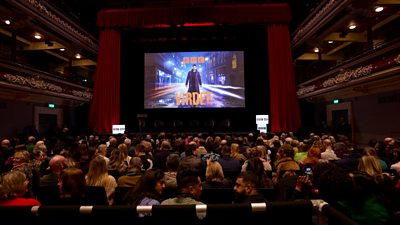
(379, 9)
(37, 36)
(352, 26)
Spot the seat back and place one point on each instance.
(169, 192)
(120, 193)
(96, 195)
(217, 195)
(48, 195)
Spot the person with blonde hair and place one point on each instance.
(98, 176)
(21, 162)
(215, 176)
(370, 165)
(102, 151)
(118, 165)
(13, 186)
(236, 154)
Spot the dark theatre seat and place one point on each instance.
(97, 195)
(169, 193)
(49, 195)
(120, 193)
(217, 195)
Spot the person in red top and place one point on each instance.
(13, 187)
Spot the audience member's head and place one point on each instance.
(20, 158)
(285, 150)
(189, 182)
(172, 162)
(150, 185)
(57, 164)
(165, 145)
(136, 164)
(13, 185)
(214, 172)
(72, 183)
(340, 149)
(247, 184)
(5, 143)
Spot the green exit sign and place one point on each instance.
(335, 101)
(50, 105)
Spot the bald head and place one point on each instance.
(31, 139)
(57, 163)
(5, 142)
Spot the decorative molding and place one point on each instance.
(305, 90)
(34, 82)
(37, 83)
(347, 75)
(343, 77)
(355, 70)
(84, 94)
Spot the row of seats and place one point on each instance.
(293, 212)
(191, 124)
(48, 195)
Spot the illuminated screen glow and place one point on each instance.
(212, 79)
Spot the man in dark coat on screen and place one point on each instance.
(194, 80)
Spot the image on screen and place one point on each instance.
(213, 79)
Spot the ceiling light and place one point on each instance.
(62, 49)
(330, 42)
(8, 22)
(78, 56)
(378, 9)
(352, 26)
(316, 50)
(37, 36)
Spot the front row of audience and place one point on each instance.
(148, 190)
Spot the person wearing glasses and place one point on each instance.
(246, 188)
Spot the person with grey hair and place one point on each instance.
(328, 154)
(133, 175)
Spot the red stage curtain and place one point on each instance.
(105, 108)
(285, 113)
(225, 14)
